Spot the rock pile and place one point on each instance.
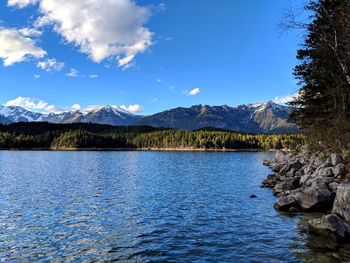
(313, 182)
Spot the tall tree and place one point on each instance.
(323, 105)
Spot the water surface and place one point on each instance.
(143, 207)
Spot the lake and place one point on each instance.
(144, 207)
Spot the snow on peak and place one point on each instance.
(260, 106)
(107, 108)
(16, 113)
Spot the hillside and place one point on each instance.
(265, 117)
(43, 135)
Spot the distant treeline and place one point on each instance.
(94, 136)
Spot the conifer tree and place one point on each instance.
(323, 105)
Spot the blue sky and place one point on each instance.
(152, 55)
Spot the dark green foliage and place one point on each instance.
(216, 140)
(323, 107)
(94, 136)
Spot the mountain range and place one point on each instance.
(264, 117)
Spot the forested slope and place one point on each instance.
(90, 136)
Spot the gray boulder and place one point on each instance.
(321, 181)
(341, 204)
(296, 165)
(267, 163)
(284, 170)
(339, 170)
(304, 179)
(317, 197)
(316, 173)
(331, 226)
(328, 162)
(326, 172)
(291, 173)
(270, 181)
(285, 203)
(281, 187)
(336, 159)
(276, 167)
(281, 156)
(325, 165)
(319, 160)
(333, 186)
(290, 168)
(308, 169)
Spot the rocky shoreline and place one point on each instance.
(151, 149)
(313, 182)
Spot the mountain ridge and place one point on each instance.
(262, 117)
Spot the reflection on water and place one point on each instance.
(321, 249)
(145, 206)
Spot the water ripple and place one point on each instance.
(146, 207)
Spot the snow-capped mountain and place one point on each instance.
(111, 115)
(264, 117)
(19, 114)
(99, 114)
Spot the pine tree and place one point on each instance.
(323, 105)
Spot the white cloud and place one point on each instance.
(16, 47)
(125, 62)
(159, 81)
(101, 29)
(30, 104)
(36, 76)
(92, 108)
(30, 32)
(154, 100)
(21, 3)
(132, 108)
(285, 99)
(76, 107)
(38, 105)
(73, 73)
(51, 65)
(192, 92)
(35, 104)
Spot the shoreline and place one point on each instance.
(310, 182)
(137, 150)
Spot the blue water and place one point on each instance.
(142, 207)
